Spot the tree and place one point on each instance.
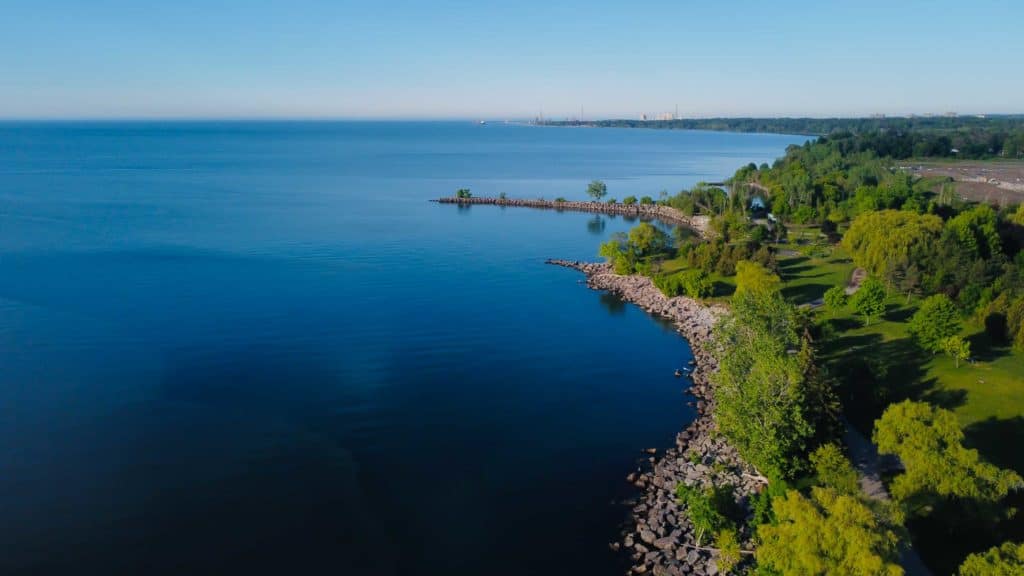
(877, 238)
(768, 395)
(463, 193)
(934, 322)
(597, 190)
(703, 508)
(834, 470)
(828, 533)
(929, 443)
(629, 200)
(645, 239)
(753, 277)
(835, 299)
(869, 300)
(1006, 560)
(957, 348)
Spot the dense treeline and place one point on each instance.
(933, 136)
(963, 263)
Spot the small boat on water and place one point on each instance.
(482, 122)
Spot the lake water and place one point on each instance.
(252, 347)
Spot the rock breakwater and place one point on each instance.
(659, 538)
(666, 214)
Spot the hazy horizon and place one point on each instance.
(452, 61)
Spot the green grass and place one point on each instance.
(806, 277)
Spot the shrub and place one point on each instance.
(869, 300)
(646, 200)
(560, 200)
(612, 201)
(629, 200)
(463, 193)
(835, 299)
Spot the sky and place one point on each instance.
(484, 59)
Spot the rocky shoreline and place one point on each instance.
(659, 538)
(666, 214)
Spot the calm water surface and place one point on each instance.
(256, 347)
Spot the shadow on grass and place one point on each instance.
(999, 441)
(873, 373)
(804, 292)
(723, 289)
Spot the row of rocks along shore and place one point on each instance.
(666, 214)
(659, 538)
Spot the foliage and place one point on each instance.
(957, 348)
(828, 533)
(834, 471)
(929, 443)
(869, 300)
(934, 322)
(629, 253)
(728, 550)
(463, 193)
(835, 299)
(692, 283)
(976, 231)
(1005, 560)
(877, 240)
(706, 508)
(612, 201)
(597, 190)
(752, 277)
(560, 199)
(646, 200)
(502, 196)
(629, 200)
(770, 398)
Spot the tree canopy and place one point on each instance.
(828, 533)
(876, 240)
(929, 443)
(1005, 560)
(596, 190)
(936, 320)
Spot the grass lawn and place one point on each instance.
(807, 271)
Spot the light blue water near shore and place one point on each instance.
(257, 347)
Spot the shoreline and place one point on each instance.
(659, 538)
(666, 214)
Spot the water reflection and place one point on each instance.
(615, 305)
(596, 225)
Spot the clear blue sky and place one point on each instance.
(437, 58)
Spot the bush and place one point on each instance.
(646, 200)
(869, 300)
(612, 201)
(708, 510)
(463, 193)
(629, 200)
(835, 299)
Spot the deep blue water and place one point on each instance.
(251, 347)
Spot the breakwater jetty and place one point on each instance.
(666, 214)
(659, 538)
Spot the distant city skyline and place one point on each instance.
(444, 59)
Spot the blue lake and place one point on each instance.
(250, 347)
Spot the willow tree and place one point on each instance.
(878, 239)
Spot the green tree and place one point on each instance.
(828, 533)
(645, 239)
(767, 392)
(1006, 560)
(929, 443)
(597, 190)
(957, 348)
(878, 238)
(698, 284)
(755, 278)
(834, 470)
(463, 193)
(703, 508)
(835, 299)
(629, 200)
(869, 300)
(934, 322)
